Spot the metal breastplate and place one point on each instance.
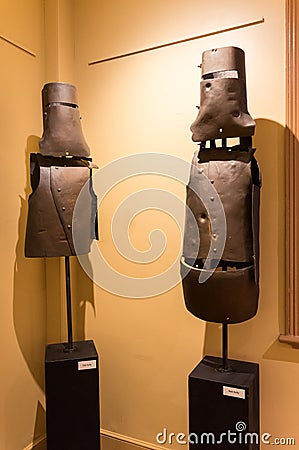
(228, 296)
(56, 184)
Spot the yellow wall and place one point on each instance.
(23, 314)
(31, 308)
(146, 103)
(143, 103)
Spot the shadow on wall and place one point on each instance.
(40, 426)
(250, 339)
(29, 308)
(38, 304)
(83, 290)
(29, 303)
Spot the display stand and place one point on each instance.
(72, 389)
(224, 402)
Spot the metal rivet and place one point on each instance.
(214, 236)
(200, 171)
(59, 189)
(233, 164)
(212, 181)
(220, 130)
(202, 218)
(214, 250)
(212, 199)
(63, 208)
(67, 153)
(56, 167)
(69, 226)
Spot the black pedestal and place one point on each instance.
(72, 397)
(224, 407)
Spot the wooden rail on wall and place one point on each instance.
(291, 335)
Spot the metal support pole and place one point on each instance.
(70, 344)
(224, 347)
(224, 367)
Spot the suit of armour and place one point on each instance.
(230, 293)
